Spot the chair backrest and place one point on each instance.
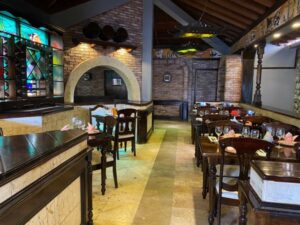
(237, 127)
(205, 110)
(257, 120)
(245, 149)
(97, 121)
(110, 123)
(214, 117)
(126, 121)
(276, 125)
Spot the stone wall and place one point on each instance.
(93, 87)
(130, 17)
(297, 88)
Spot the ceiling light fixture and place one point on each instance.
(191, 48)
(296, 25)
(277, 35)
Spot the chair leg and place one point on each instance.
(133, 147)
(115, 175)
(117, 150)
(125, 146)
(103, 172)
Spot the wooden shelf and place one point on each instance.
(77, 40)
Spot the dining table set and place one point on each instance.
(211, 126)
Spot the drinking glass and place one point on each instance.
(206, 112)
(280, 132)
(271, 131)
(246, 131)
(226, 129)
(218, 131)
(254, 133)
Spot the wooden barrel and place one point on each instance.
(121, 35)
(107, 33)
(91, 30)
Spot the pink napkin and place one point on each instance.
(248, 123)
(65, 128)
(91, 128)
(289, 138)
(230, 149)
(230, 134)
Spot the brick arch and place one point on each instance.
(133, 88)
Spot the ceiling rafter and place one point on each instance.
(267, 3)
(250, 5)
(212, 7)
(237, 9)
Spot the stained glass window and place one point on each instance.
(56, 41)
(58, 76)
(8, 25)
(34, 34)
(36, 72)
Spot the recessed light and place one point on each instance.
(256, 45)
(296, 25)
(277, 35)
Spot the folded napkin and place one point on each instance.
(235, 113)
(289, 138)
(268, 137)
(65, 128)
(248, 123)
(230, 134)
(261, 153)
(91, 128)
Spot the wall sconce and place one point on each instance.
(167, 77)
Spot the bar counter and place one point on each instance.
(45, 176)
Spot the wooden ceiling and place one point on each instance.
(54, 6)
(236, 17)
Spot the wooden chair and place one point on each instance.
(226, 188)
(237, 127)
(275, 125)
(125, 129)
(205, 110)
(102, 144)
(96, 119)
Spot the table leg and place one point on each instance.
(243, 208)
(212, 194)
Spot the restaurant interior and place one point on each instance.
(149, 112)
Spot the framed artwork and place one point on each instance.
(167, 77)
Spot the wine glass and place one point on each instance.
(254, 133)
(226, 129)
(206, 112)
(271, 131)
(218, 131)
(280, 132)
(246, 131)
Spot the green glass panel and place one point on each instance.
(58, 89)
(58, 73)
(57, 57)
(8, 25)
(34, 34)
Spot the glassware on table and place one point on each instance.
(226, 129)
(280, 132)
(201, 113)
(254, 133)
(271, 131)
(206, 112)
(246, 131)
(218, 131)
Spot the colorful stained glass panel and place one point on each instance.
(58, 73)
(34, 34)
(8, 25)
(58, 89)
(58, 57)
(56, 41)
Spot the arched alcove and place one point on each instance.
(127, 75)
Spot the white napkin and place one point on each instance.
(268, 137)
(65, 128)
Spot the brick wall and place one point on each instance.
(233, 78)
(93, 87)
(130, 17)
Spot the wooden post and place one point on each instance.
(260, 54)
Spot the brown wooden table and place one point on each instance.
(265, 213)
(210, 158)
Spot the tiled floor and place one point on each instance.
(160, 186)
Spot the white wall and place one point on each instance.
(278, 84)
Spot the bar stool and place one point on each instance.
(102, 141)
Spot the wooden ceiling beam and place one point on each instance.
(267, 3)
(220, 16)
(237, 9)
(211, 7)
(214, 20)
(250, 5)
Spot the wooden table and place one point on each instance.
(266, 213)
(210, 158)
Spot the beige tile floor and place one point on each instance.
(160, 186)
